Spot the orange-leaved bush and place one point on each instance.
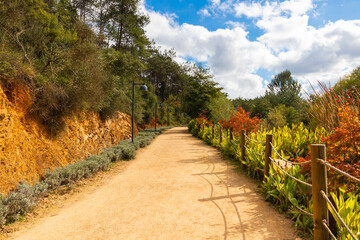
(203, 119)
(242, 120)
(343, 145)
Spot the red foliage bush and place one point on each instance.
(242, 120)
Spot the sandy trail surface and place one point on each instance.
(176, 188)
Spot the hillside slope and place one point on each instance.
(26, 152)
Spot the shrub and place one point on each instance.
(18, 202)
(110, 154)
(192, 127)
(242, 120)
(128, 152)
(2, 212)
(52, 179)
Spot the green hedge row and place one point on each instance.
(23, 199)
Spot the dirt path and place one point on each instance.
(176, 188)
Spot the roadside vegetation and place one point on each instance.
(329, 116)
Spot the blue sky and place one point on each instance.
(246, 42)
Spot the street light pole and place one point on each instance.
(143, 87)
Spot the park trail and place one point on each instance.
(175, 188)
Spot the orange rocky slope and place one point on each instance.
(26, 153)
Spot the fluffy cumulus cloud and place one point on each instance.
(287, 42)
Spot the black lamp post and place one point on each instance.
(143, 87)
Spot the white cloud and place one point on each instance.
(228, 52)
(288, 42)
(204, 12)
(272, 9)
(254, 10)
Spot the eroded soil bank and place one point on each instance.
(26, 152)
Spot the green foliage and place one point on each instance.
(220, 108)
(2, 212)
(281, 116)
(199, 90)
(192, 127)
(124, 24)
(348, 207)
(275, 119)
(64, 56)
(259, 106)
(168, 77)
(348, 82)
(283, 89)
(18, 202)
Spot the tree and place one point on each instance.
(84, 7)
(220, 108)
(283, 89)
(125, 25)
(280, 116)
(259, 106)
(165, 73)
(199, 90)
(349, 82)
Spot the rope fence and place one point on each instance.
(287, 174)
(338, 170)
(324, 223)
(252, 140)
(301, 210)
(285, 160)
(338, 215)
(319, 180)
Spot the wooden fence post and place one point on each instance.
(213, 131)
(221, 132)
(242, 146)
(268, 154)
(319, 182)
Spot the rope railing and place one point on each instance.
(338, 215)
(260, 142)
(286, 173)
(324, 223)
(318, 185)
(301, 210)
(338, 170)
(285, 160)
